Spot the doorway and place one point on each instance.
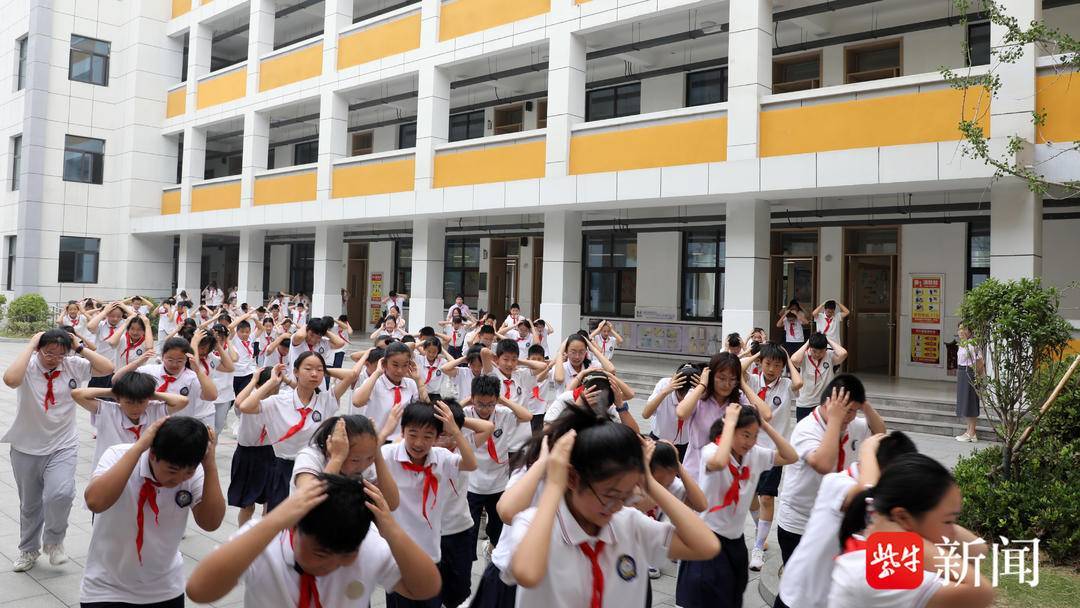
(503, 277)
(870, 270)
(356, 285)
(537, 275)
(794, 273)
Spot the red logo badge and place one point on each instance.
(894, 560)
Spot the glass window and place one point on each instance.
(610, 275)
(467, 125)
(978, 253)
(708, 86)
(305, 153)
(704, 254)
(301, 268)
(872, 61)
(978, 40)
(461, 271)
(613, 102)
(78, 260)
(10, 278)
(84, 159)
(403, 251)
(797, 72)
(20, 78)
(16, 160)
(362, 143)
(184, 60)
(89, 60)
(180, 158)
(407, 137)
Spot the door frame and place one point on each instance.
(894, 324)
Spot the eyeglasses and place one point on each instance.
(628, 500)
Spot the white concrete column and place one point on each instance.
(428, 255)
(199, 46)
(750, 42)
(194, 164)
(1016, 226)
(429, 22)
(256, 151)
(189, 265)
(746, 269)
(566, 95)
(432, 121)
(1011, 112)
(659, 256)
(260, 39)
(333, 138)
(338, 17)
(249, 282)
(560, 298)
(831, 265)
(329, 271)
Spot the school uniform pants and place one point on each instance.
(719, 582)
(100, 382)
(46, 487)
(485, 502)
(176, 602)
(394, 600)
(788, 541)
(455, 567)
(802, 412)
(239, 383)
(492, 592)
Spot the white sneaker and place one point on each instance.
(964, 438)
(483, 525)
(654, 573)
(26, 561)
(488, 549)
(56, 554)
(757, 559)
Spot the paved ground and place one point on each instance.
(46, 586)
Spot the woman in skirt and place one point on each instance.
(253, 460)
(969, 362)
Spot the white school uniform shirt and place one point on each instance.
(815, 377)
(523, 342)
(127, 352)
(166, 321)
(780, 399)
(571, 373)
(382, 399)
(113, 427)
(558, 406)
(512, 320)
(79, 325)
(632, 541)
(492, 472)
(793, 331)
(666, 425)
(113, 571)
(967, 356)
(518, 385)
(281, 412)
(101, 345)
(425, 531)
(299, 317)
(729, 521)
(462, 308)
(829, 327)
(186, 384)
(272, 579)
(457, 336)
(222, 379)
(35, 430)
(321, 347)
(456, 515)
(801, 482)
(251, 431)
(808, 571)
(311, 460)
(245, 363)
(605, 345)
(850, 589)
(463, 379)
(430, 373)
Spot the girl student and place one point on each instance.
(253, 461)
(665, 397)
(430, 358)
(131, 340)
(111, 314)
(719, 384)
(388, 327)
(212, 356)
(578, 546)
(75, 318)
(396, 381)
(178, 373)
(222, 370)
(349, 446)
(730, 466)
(915, 494)
(572, 357)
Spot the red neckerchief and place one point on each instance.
(492, 452)
(593, 553)
(536, 392)
(247, 346)
(765, 386)
(828, 324)
(304, 412)
(127, 349)
(137, 430)
(50, 397)
(791, 329)
(74, 321)
(453, 338)
(840, 457)
(147, 494)
(397, 393)
(309, 589)
(431, 485)
(738, 474)
(205, 365)
(854, 543)
(508, 383)
(112, 330)
(166, 381)
(817, 367)
(430, 372)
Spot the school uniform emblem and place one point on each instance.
(320, 350)
(498, 433)
(183, 499)
(776, 401)
(316, 416)
(354, 590)
(72, 383)
(825, 365)
(184, 391)
(139, 351)
(626, 567)
(519, 391)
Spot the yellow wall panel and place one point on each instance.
(374, 178)
(910, 118)
(176, 102)
(179, 7)
(220, 89)
(291, 67)
(680, 143)
(170, 202)
(494, 164)
(218, 196)
(1059, 97)
(288, 188)
(382, 40)
(468, 16)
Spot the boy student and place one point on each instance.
(395, 381)
(778, 393)
(112, 314)
(826, 441)
(178, 373)
(422, 471)
(141, 494)
(247, 351)
(791, 321)
(665, 397)
(43, 440)
(513, 318)
(522, 334)
(606, 338)
(463, 369)
(817, 365)
(827, 321)
(516, 376)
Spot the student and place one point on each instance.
(421, 471)
(455, 338)
(599, 391)
(178, 373)
(578, 546)
(575, 354)
(485, 336)
(734, 344)
(825, 441)
(396, 381)
(252, 465)
(826, 320)
(388, 327)
(536, 402)
(720, 384)
(155, 482)
(246, 350)
(209, 356)
(673, 476)
(429, 361)
(791, 321)
(778, 393)
(112, 314)
(122, 413)
(463, 369)
(395, 300)
(44, 443)
(817, 365)
(808, 572)
(513, 318)
(318, 549)
(516, 376)
(606, 339)
(522, 334)
(74, 317)
(299, 315)
(663, 401)
(131, 340)
(915, 494)
(969, 364)
(348, 446)
(460, 308)
(541, 331)
(315, 337)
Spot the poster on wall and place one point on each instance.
(926, 299)
(375, 299)
(925, 346)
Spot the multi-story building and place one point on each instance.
(684, 168)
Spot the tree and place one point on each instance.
(1017, 37)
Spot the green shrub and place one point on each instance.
(3, 302)
(28, 314)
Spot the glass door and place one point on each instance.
(871, 335)
(793, 278)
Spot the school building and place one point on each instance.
(683, 168)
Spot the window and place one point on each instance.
(707, 86)
(703, 275)
(978, 41)
(978, 249)
(873, 61)
(403, 265)
(184, 59)
(406, 137)
(541, 114)
(78, 260)
(612, 102)
(20, 75)
(89, 61)
(305, 153)
(180, 158)
(610, 275)
(16, 160)
(84, 159)
(797, 72)
(461, 271)
(510, 119)
(10, 277)
(362, 143)
(301, 267)
(468, 125)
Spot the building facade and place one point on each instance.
(682, 168)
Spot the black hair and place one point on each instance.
(387, 338)
(304, 356)
(375, 355)
(170, 301)
(818, 340)
(748, 415)
(176, 342)
(136, 386)
(420, 415)
(730, 362)
(180, 441)
(486, 329)
(317, 326)
(224, 320)
(456, 410)
(55, 336)
(396, 348)
(830, 304)
(893, 446)
(540, 323)
(427, 331)
(408, 339)
(340, 522)
(487, 386)
(475, 352)
(432, 341)
(536, 349)
(734, 339)
(854, 387)
(602, 451)
(525, 322)
(515, 305)
(773, 351)
(913, 482)
(264, 376)
(597, 379)
(243, 325)
(506, 346)
(354, 425)
(221, 330)
(664, 457)
(343, 318)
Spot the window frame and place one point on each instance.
(78, 259)
(93, 55)
(974, 229)
(307, 145)
(469, 116)
(400, 136)
(620, 274)
(21, 47)
(9, 280)
(968, 58)
(616, 113)
(718, 237)
(402, 272)
(302, 267)
(16, 161)
(472, 299)
(503, 111)
(689, 86)
(787, 86)
(96, 170)
(851, 53)
(370, 147)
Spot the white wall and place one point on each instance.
(663, 93)
(932, 249)
(1061, 250)
(1064, 18)
(831, 264)
(526, 294)
(380, 259)
(659, 256)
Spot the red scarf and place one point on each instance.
(50, 397)
(296, 428)
(840, 457)
(127, 349)
(791, 329)
(205, 366)
(430, 372)
(137, 430)
(179, 317)
(453, 339)
(74, 321)
(167, 380)
(147, 494)
(309, 589)
(247, 346)
(431, 485)
(536, 392)
(397, 394)
(854, 543)
(817, 368)
(508, 383)
(597, 574)
(112, 330)
(738, 474)
(492, 452)
(828, 324)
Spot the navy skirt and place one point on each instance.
(249, 477)
(719, 582)
(492, 592)
(278, 485)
